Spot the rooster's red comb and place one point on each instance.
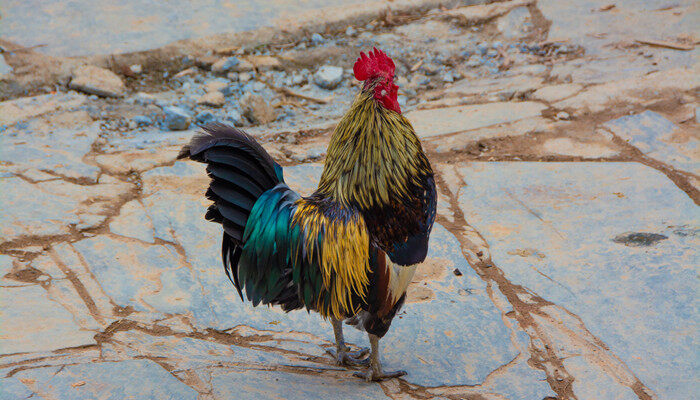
(377, 63)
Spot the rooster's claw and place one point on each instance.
(349, 359)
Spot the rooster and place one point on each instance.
(350, 249)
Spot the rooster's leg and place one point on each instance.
(342, 353)
(375, 373)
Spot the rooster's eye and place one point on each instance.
(383, 92)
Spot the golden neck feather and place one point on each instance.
(372, 156)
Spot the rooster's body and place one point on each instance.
(350, 249)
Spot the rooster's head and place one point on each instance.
(376, 69)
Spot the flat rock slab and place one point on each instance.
(660, 139)
(50, 208)
(17, 110)
(443, 121)
(253, 385)
(96, 80)
(12, 388)
(635, 90)
(503, 88)
(59, 150)
(31, 322)
(554, 93)
(614, 243)
(131, 379)
(449, 333)
(570, 147)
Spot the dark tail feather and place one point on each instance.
(216, 135)
(240, 170)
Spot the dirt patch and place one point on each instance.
(433, 269)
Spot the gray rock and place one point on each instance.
(482, 48)
(98, 81)
(230, 90)
(697, 114)
(298, 79)
(430, 69)
(245, 77)
(205, 117)
(4, 67)
(144, 99)
(316, 38)
(474, 61)
(216, 85)
(515, 24)
(257, 109)
(136, 69)
(236, 118)
(212, 99)
(563, 115)
(142, 120)
(258, 86)
(447, 77)
(328, 77)
(244, 66)
(350, 31)
(492, 53)
(315, 153)
(225, 65)
(176, 119)
(182, 75)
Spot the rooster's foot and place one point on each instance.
(349, 358)
(374, 375)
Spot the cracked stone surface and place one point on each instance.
(563, 262)
(660, 139)
(559, 243)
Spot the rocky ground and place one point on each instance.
(563, 263)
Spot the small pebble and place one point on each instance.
(316, 38)
(144, 99)
(225, 65)
(457, 272)
(429, 69)
(299, 79)
(474, 61)
(142, 120)
(447, 77)
(258, 86)
(563, 115)
(136, 69)
(235, 117)
(176, 119)
(244, 77)
(328, 77)
(205, 117)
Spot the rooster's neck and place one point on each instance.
(372, 156)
